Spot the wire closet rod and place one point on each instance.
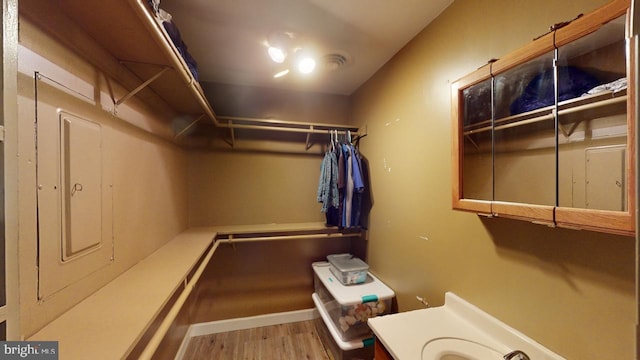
(283, 125)
(232, 239)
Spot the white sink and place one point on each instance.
(457, 330)
(450, 348)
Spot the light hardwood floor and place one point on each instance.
(293, 341)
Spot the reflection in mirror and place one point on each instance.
(524, 133)
(477, 143)
(592, 123)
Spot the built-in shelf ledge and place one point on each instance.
(111, 323)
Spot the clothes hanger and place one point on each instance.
(331, 144)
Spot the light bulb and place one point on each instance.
(276, 54)
(306, 65)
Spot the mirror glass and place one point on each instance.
(524, 133)
(592, 120)
(477, 170)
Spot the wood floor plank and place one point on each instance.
(293, 341)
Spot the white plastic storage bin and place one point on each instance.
(348, 269)
(357, 349)
(349, 307)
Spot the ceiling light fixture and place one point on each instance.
(282, 49)
(306, 65)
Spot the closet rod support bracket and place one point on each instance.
(307, 144)
(183, 131)
(232, 134)
(141, 86)
(475, 145)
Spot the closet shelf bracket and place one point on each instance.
(192, 124)
(471, 141)
(230, 241)
(571, 130)
(232, 134)
(360, 134)
(142, 86)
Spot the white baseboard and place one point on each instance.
(250, 322)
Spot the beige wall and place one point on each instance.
(253, 188)
(261, 182)
(148, 173)
(573, 291)
(250, 279)
(260, 179)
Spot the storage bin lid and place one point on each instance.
(346, 262)
(370, 290)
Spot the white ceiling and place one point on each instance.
(227, 37)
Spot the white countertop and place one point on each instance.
(405, 334)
